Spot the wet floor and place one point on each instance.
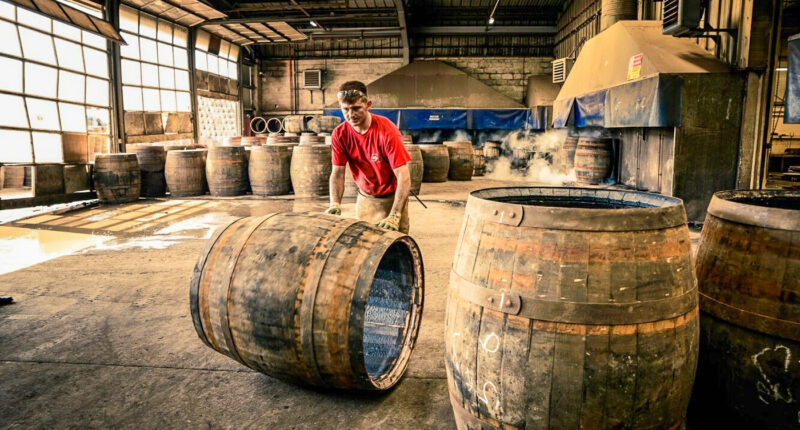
(24, 247)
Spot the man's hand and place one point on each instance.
(391, 222)
(334, 209)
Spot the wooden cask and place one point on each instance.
(461, 163)
(435, 162)
(571, 308)
(117, 178)
(295, 123)
(185, 172)
(269, 170)
(748, 273)
(592, 160)
(416, 167)
(323, 123)
(151, 165)
(312, 139)
(311, 170)
(491, 150)
(478, 162)
(520, 157)
(311, 298)
(570, 146)
(350, 186)
(408, 139)
(226, 171)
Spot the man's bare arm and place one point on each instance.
(336, 184)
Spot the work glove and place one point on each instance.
(391, 222)
(334, 209)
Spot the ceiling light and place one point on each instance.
(491, 20)
(313, 23)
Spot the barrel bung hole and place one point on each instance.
(387, 315)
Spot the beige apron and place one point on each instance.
(374, 209)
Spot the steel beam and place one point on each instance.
(295, 18)
(401, 21)
(475, 29)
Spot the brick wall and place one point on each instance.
(507, 75)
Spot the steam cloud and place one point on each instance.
(546, 166)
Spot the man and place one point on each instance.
(373, 148)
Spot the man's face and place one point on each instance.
(355, 113)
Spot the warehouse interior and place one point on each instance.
(166, 260)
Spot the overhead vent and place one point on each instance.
(681, 18)
(312, 79)
(561, 68)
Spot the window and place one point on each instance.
(54, 79)
(155, 66)
(222, 62)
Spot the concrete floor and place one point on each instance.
(102, 336)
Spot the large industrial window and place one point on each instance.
(54, 83)
(217, 56)
(155, 65)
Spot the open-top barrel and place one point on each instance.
(268, 170)
(435, 163)
(311, 298)
(185, 172)
(748, 273)
(571, 308)
(117, 178)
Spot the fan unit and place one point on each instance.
(561, 68)
(312, 79)
(681, 18)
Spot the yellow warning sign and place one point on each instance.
(635, 67)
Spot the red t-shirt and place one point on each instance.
(372, 156)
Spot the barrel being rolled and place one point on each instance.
(269, 170)
(748, 273)
(416, 167)
(435, 163)
(185, 172)
(151, 164)
(461, 160)
(571, 308)
(317, 299)
(117, 178)
(592, 160)
(311, 170)
(478, 162)
(226, 171)
(570, 146)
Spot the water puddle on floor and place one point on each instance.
(23, 247)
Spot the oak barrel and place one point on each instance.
(592, 160)
(311, 170)
(269, 170)
(311, 298)
(478, 162)
(408, 139)
(435, 163)
(324, 123)
(185, 172)
(226, 171)
(491, 150)
(416, 167)
(748, 273)
(571, 308)
(350, 186)
(461, 162)
(520, 157)
(312, 139)
(570, 146)
(117, 178)
(151, 165)
(295, 123)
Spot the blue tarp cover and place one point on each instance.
(792, 111)
(461, 119)
(649, 102)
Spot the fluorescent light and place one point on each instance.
(313, 23)
(491, 20)
(781, 69)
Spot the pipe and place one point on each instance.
(616, 10)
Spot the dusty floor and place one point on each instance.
(101, 336)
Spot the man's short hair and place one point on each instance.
(352, 92)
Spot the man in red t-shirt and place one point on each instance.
(373, 148)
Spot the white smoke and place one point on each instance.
(461, 136)
(546, 166)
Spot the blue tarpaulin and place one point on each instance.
(649, 102)
(462, 119)
(792, 111)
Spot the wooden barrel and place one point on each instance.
(478, 162)
(416, 167)
(748, 273)
(520, 157)
(323, 123)
(408, 139)
(350, 186)
(571, 308)
(312, 139)
(318, 299)
(117, 178)
(226, 171)
(294, 123)
(491, 150)
(592, 160)
(185, 172)
(311, 170)
(269, 170)
(461, 163)
(435, 162)
(13, 176)
(570, 146)
(279, 139)
(151, 165)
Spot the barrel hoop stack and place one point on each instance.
(571, 308)
(311, 298)
(748, 271)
